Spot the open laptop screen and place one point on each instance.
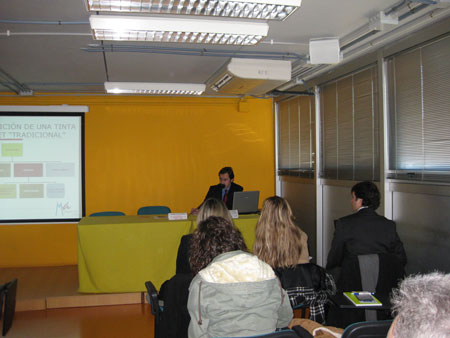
(246, 202)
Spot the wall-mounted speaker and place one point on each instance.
(324, 50)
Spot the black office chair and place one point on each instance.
(354, 276)
(107, 213)
(372, 329)
(154, 306)
(286, 333)
(8, 297)
(153, 210)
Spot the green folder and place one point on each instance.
(362, 298)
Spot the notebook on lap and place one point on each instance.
(246, 202)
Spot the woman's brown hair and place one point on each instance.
(277, 238)
(213, 236)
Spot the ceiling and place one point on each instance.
(38, 54)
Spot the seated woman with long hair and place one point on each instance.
(233, 293)
(175, 317)
(283, 245)
(210, 207)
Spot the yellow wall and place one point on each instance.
(150, 151)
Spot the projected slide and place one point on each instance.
(40, 167)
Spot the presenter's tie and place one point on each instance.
(225, 197)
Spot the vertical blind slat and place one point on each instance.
(283, 149)
(329, 131)
(349, 130)
(294, 134)
(419, 105)
(296, 137)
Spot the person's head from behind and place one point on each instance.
(365, 194)
(213, 207)
(422, 307)
(213, 236)
(226, 176)
(277, 238)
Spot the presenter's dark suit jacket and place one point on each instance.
(215, 191)
(364, 233)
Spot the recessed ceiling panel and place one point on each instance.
(146, 67)
(64, 10)
(51, 59)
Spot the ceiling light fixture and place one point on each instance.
(153, 88)
(251, 9)
(222, 32)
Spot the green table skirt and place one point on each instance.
(119, 253)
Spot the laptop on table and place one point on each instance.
(246, 202)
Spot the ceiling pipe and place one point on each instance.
(39, 22)
(9, 33)
(194, 52)
(13, 84)
(291, 92)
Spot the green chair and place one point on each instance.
(153, 210)
(107, 213)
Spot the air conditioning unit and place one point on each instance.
(250, 76)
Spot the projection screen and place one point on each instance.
(41, 164)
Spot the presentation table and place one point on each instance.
(119, 253)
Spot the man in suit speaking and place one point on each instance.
(225, 190)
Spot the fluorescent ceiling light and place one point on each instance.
(251, 9)
(154, 88)
(126, 28)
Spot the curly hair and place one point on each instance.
(368, 192)
(277, 238)
(213, 207)
(213, 236)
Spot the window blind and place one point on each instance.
(296, 136)
(349, 127)
(419, 106)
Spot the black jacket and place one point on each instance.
(183, 255)
(215, 191)
(363, 233)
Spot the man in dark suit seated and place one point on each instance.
(364, 233)
(223, 191)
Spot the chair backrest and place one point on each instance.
(372, 329)
(153, 210)
(154, 305)
(278, 334)
(8, 293)
(107, 213)
(390, 270)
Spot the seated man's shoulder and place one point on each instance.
(237, 187)
(347, 219)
